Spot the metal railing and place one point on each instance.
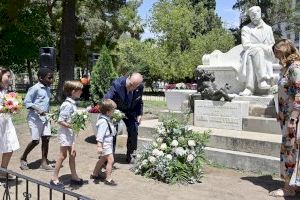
(27, 195)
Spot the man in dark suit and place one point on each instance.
(127, 93)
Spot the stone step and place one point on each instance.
(244, 141)
(261, 124)
(243, 161)
(262, 111)
(266, 100)
(227, 158)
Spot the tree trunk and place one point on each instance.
(29, 71)
(67, 46)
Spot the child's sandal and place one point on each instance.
(111, 183)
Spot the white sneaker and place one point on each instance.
(264, 85)
(246, 92)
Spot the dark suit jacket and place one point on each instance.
(118, 94)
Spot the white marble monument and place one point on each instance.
(250, 66)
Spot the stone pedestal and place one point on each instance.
(93, 119)
(176, 99)
(220, 114)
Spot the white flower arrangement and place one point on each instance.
(175, 156)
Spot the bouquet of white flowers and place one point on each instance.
(78, 121)
(175, 156)
(117, 116)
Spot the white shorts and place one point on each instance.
(65, 137)
(38, 128)
(107, 149)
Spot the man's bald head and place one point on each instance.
(134, 81)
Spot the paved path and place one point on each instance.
(218, 183)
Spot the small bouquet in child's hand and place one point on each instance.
(53, 118)
(12, 103)
(117, 116)
(78, 121)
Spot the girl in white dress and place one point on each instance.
(8, 136)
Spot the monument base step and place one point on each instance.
(243, 161)
(251, 151)
(266, 100)
(261, 124)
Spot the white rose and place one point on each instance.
(163, 146)
(169, 156)
(151, 159)
(144, 162)
(138, 156)
(159, 140)
(174, 143)
(160, 153)
(160, 130)
(154, 144)
(189, 128)
(155, 152)
(180, 151)
(190, 158)
(85, 116)
(191, 143)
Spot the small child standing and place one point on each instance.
(104, 137)
(73, 90)
(8, 137)
(37, 101)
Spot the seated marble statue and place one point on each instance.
(257, 55)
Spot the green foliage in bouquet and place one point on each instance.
(175, 156)
(53, 117)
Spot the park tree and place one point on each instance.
(102, 75)
(274, 12)
(179, 26)
(24, 28)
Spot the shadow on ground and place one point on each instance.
(269, 184)
(37, 163)
(66, 180)
(91, 139)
